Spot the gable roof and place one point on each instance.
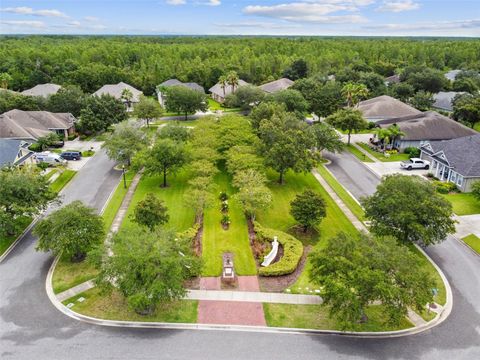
(444, 99)
(217, 88)
(394, 79)
(428, 125)
(452, 74)
(116, 91)
(18, 124)
(171, 82)
(43, 90)
(190, 85)
(9, 149)
(385, 107)
(277, 85)
(461, 154)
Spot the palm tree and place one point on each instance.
(383, 135)
(354, 93)
(223, 81)
(5, 78)
(232, 79)
(394, 133)
(127, 97)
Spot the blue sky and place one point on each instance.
(242, 17)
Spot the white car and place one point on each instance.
(415, 163)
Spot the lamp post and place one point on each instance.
(124, 180)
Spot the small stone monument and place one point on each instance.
(228, 273)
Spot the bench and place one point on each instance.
(267, 260)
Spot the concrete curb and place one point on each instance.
(456, 238)
(18, 239)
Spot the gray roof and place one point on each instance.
(277, 85)
(9, 149)
(393, 79)
(461, 154)
(385, 107)
(190, 85)
(116, 91)
(217, 88)
(452, 74)
(443, 99)
(171, 82)
(429, 125)
(43, 90)
(18, 124)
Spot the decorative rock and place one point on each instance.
(81, 299)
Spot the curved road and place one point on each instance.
(31, 328)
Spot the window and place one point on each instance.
(460, 180)
(453, 178)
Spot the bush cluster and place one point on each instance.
(445, 187)
(413, 152)
(292, 251)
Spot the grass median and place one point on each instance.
(473, 241)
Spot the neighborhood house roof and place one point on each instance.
(394, 79)
(452, 74)
(18, 124)
(444, 99)
(385, 107)
(190, 85)
(277, 85)
(8, 151)
(117, 89)
(43, 90)
(219, 91)
(429, 125)
(462, 154)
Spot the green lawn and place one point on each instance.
(352, 204)
(358, 154)
(181, 216)
(477, 126)
(214, 105)
(473, 241)
(114, 307)
(68, 274)
(381, 157)
(7, 240)
(278, 217)
(216, 240)
(62, 180)
(316, 317)
(463, 203)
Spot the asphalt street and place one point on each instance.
(31, 328)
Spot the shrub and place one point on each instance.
(35, 147)
(223, 196)
(225, 206)
(391, 152)
(371, 125)
(72, 137)
(292, 251)
(225, 220)
(42, 165)
(444, 187)
(476, 190)
(413, 152)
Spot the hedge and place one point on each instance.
(292, 251)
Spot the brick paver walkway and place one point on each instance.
(231, 313)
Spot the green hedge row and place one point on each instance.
(292, 251)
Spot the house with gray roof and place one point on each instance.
(394, 79)
(456, 161)
(116, 91)
(276, 86)
(174, 82)
(43, 90)
(444, 100)
(219, 93)
(30, 125)
(426, 127)
(15, 153)
(385, 107)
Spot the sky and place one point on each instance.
(243, 17)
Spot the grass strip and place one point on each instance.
(382, 157)
(62, 180)
(473, 241)
(463, 203)
(358, 154)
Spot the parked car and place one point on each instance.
(415, 163)
(71, 155)
(50, 158)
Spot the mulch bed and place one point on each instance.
(197, 241)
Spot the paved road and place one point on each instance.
(31, 328)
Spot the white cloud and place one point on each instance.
(23, 10)
(440, 26)
(398, 6)
(24, 23)
(213, 2)
(258, 25)
(176, 2)
(91, 18)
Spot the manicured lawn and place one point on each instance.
(62, 180)
(463, 203)
(358, 154)
(181, 216)
(381, 157)
(316, 317)
(216, 240)
(68, 274)
(114, 307)
(477, 126)
(352, 204)
(7, 240)
(473, 241)
(214, 105)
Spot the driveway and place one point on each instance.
(393, 167)
(468, 224)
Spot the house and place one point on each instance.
(456, 161)
(30, 125)
(452, 74)
(425, 127)
(43, 90)
(174, 82)
(394, 79)
(385, 107)
(277, 85)
(116, 91)
(15, 153)
(444, 100)
(219, 93)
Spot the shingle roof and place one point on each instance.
(394, 79)
(116, 91)
(18, 124)
(452, 74)
(190, 85)
(443, 99)
(9, 149)
(171, 82)
(429, 125)
(43, 90)
(462, 154)
(217, 88)
(385, 107)
(277, 85)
